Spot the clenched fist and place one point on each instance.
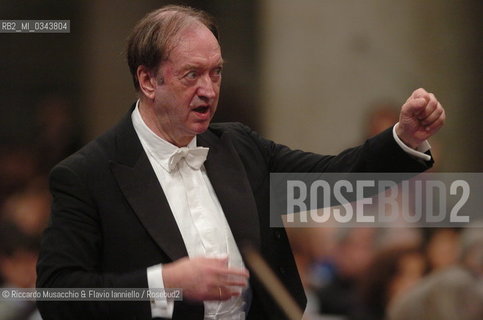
(421, 117)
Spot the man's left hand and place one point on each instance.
(421, 117)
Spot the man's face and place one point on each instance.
(188, 86)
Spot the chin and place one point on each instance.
(199, 128)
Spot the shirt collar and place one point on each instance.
(157, 147)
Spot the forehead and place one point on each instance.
(196, 44)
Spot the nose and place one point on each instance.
(207, 88)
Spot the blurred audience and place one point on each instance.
(18, 258)
(471, 249)
(28, 209)
(310, 245)
(58, 134)
(451, 293)
(25, 200)
(55, 135)
(349, 261)
(441, 247)
(392, 272)
(18, 166)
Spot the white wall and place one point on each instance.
(325, 62)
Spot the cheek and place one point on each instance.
(189, 95)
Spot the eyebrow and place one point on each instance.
(195, 66)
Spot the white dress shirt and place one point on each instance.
(419, 152)
(199, 217)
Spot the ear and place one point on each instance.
(147, 81)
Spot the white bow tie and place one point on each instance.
(194, 157)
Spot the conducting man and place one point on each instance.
(165, 199)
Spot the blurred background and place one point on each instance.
(317, 75)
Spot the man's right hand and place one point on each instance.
(204, 278)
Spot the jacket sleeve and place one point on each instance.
(71, 251)
(380, 153)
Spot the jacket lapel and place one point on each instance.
(229, 180)
(140, 186)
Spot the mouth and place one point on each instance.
(201, 109)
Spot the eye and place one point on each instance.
(192, 75)
(216, 72)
